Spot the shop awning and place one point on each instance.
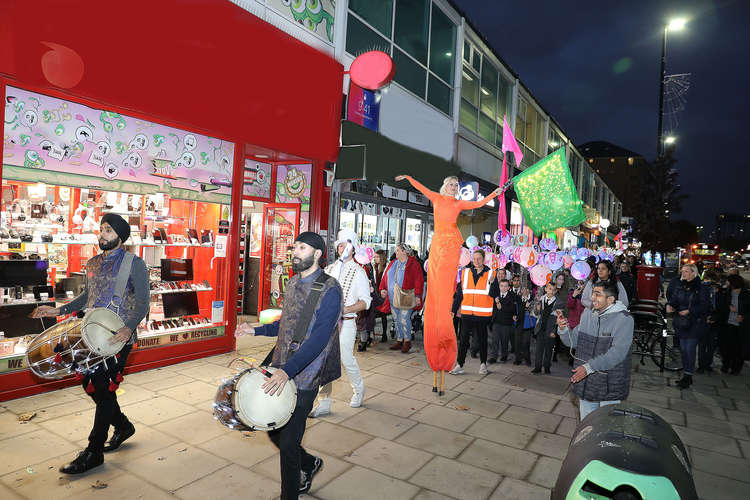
(365, 154)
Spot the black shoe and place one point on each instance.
(475, 355)
(685, 382)
(307, 477)
(536, 370)
(504, 359)
(119, 437)
(492, 361)
(546, 371)
(85, 460)
(362, 347)
(554, 358)
(384, 337)
(699, 370)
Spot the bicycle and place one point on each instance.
(651, 339)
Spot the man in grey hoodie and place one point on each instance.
(603, 342)
(605, 271)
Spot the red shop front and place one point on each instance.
(202, 125)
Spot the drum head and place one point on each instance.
(257, 409)
(98, 325)
(41, 353)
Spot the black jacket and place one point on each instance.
(508, 308)
(694, 296)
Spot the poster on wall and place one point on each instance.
(256, 234)
(59, 141)
(316, 16)
(293, 183)
(257, 179)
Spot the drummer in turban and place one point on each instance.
(101, 383)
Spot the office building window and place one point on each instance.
(420, 38)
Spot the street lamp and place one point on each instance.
(670, 139)
(673, 25)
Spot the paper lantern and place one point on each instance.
(362, 256)
(540, 275)
(555, 261)
(548, 195)
(527, 257)
(521, 240)
(517, 254)
(505, 240)
(472, 241)
(508, 251)
(602, 255)
(568, 261)
(580, 270)
(487, 249)
(425, 264)
(583, 254)
(503, 261)
(548, 244)
(572, 252)
(475, 248)
(465, 257)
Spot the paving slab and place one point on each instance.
(723, 427)
(541, 383)
(201, 425)
(435, 440)
(501, 432)
(545, 472)
(10, 426)
(332, 468)
(231, 482)
(531, 418)
(478, 406)
(567, 427)
(447, 418)
(528, 400)
(697, 408)
(710, 486)
(482, 390)
(125, 487)
(191, 392)
(334, 439)
(499, 458)
(28, 449)
(378, 423)
(550, 445)
(514, 489)
(386, 383)
(424, 393)
(456, 479)
(365, 484)
(708, 441)
(392, 459)
(156, 410)
(395, 404)
(721, 465)
(566, 408)
(243, 448)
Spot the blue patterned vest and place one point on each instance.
(327, 366)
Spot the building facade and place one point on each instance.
(442, 115)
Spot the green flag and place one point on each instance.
(548, 195)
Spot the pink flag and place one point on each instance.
(509, 144)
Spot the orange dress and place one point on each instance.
(442, 265)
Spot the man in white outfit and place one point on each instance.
(356, 291)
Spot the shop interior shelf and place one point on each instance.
(143, 334)
(68, 242)
(160, 292)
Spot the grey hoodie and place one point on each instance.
(603, 343)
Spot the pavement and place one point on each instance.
(501, 435)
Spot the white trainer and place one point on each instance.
(483, 369)
(322, 409)
(357, 399)
(457, 370)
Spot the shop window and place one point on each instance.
(469, 86)
(439, 95)
(468, 115)
(377, 13)
(412, 21)
(409, 74)
(442, 45)
(360, 38)
(488, 90)
(467, 52)
(476, 60)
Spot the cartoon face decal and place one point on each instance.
(187, 160)
(84, 133)
(310, 14)
(190, 142)
(104, 148)
(32, 159)
(140, 141)
(295, 182)
(111, 170)
(30, 118)
(133, 160)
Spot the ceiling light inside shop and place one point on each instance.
(484, 91)
(467, 76)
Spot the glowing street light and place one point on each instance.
(676, 24)
(670, 140)
(673, 25)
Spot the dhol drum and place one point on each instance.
(75, 344)
(241, 404)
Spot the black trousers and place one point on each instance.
(473, 326)
(707, 347)
(288, 440)
(522, 343)
(107, 410)
(544, 346)
(732, 348)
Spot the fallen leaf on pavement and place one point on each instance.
(248, 434)
(25, 417)
(462, 407)
(98, 485)
(161, 458)
(180, 451)
(349, 454)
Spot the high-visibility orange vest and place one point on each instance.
(476, 296)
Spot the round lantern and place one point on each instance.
(580, 270)
(548, 244)
(472, 241)
(517, 254)
(527, 257)
(465, 257)
(508, 251)
(506, 240)
(502, 260)
(555, 261)
(362, 256)
(425, 264)
(522, 240)
(475, 248)
(572, 253)
(568, 261)
(487, 249)
(540, 275)
(583, 253)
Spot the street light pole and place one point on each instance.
(662, 74)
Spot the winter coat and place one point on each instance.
(628, 284)
(696, 297)
(509, 307)
(603, 342)
(413, 280)
(551, 324)
(622, 294)
(366, 318)
(575, 309)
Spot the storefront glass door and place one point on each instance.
(280, 228)
(389, 228)
(414, 231)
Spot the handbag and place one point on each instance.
(403, 299)
(680, 322)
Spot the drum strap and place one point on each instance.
(303, 322)
(122, 279)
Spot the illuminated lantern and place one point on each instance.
(465, 257)
(522, 240)
(527, 257)
(508, 252)
(503, 260)
(548, 244)
(554, 261)
(517, 254)
(540, 275)
(472, 241)
(583, 253)
(568, 261)
(580, 270)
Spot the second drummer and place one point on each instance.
(101, 383)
